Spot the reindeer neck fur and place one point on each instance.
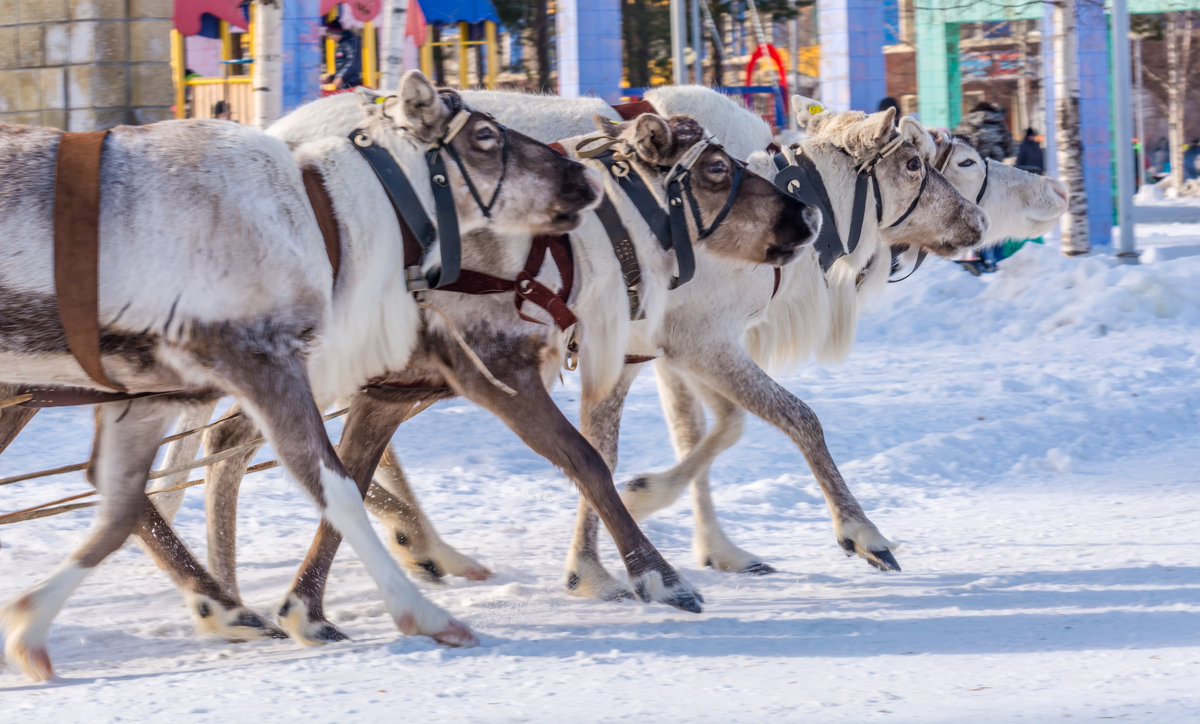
(788, 335)
(375, 319)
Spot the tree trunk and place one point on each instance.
(267, 70)
(718, 51)
(1070, 141)
(1179, 51)
(392, 44)
(439, 55)
(637, 43)
(542, 24)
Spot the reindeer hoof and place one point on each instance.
(604, 588)
(873, 548)
(429, 571)
(883, 560)
(758, 568)
(34, 662)
(650, 587)
(253, 621)
(305, 627)
(456, 635)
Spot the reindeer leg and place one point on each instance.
(646, 494)
(274, 390)
(416, 541)
(533, 416)
(729, 370)
(223, 480)
(696, 452)
(124, 452)
(601, 425)
(369, 427)
(181, 452)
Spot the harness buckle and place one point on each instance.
(571, 361)
(414, 280)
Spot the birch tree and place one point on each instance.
(1179, 27)
(1069, 136)
(267, 70)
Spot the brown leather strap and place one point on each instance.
(625, 252)
(630, 111)
(77, 248)
(526, 287)
(322, 205)
(558, 147)
(637, 359)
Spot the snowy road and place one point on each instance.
(1031, 437)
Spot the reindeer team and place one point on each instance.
(491, 263)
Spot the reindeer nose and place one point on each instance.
(579, 188)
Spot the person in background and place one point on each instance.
(889, 102)
(1160, 159)
(347, 62)
(222, 111)
(1029, 155)
(1191, 154)
(987, 131)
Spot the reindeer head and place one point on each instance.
(918, 207)
(497, 175)
(734, 212)
(1018, 203)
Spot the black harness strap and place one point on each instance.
(626, 254)
(411, 213)
(802, 181)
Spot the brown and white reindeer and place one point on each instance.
(706, 319)
(1018, 204)
(244, 302)
(744, 218)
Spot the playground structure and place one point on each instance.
(850, 47)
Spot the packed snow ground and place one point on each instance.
(1030, 436)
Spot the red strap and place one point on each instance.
(525, 285)
(630, 111)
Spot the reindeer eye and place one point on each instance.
(485, 133)
(718, 167)
(914, 164)
(967, 163)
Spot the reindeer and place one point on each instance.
(1018, 204)
(703, 337)
(248, 306)
(706, 319)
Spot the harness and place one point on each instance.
(419, 233)
(941, 163)
(798, 177)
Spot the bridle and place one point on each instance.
(941, 163)
(670, 227)
(416, 225)
(798, 176)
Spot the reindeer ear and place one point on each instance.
(882, 125)
(608, 126)
(811, 114)
(421, 109)
(914, 132)
(652, 138)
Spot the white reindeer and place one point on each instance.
(759, 224)
(1019, 204)
(706, 319)
(241, 300)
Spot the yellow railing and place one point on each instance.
(460, 44)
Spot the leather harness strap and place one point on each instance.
(77, 248)
(527, 288)
(318, 197)
(630, 111)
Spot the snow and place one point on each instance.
(1030, 436)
